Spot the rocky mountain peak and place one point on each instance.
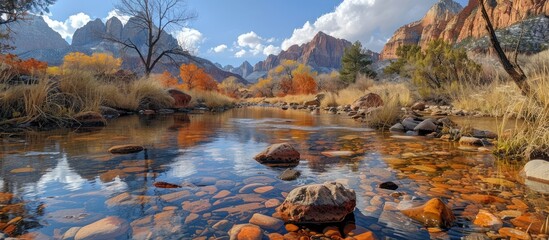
(91, 33)
(443, 10)
(114, 27)
(34, 33)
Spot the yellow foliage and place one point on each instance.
(196, 78)
(97, 63)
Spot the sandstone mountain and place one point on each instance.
(323, 53)
(33, 34)
(449, 21)
(47, 45)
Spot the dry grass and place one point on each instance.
(210, 99)
(386, 116)
(529, 138)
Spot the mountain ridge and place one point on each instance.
(443, 22)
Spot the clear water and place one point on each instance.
(66, 178)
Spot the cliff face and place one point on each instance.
(32, 34)
(446, 21)
(323, 54)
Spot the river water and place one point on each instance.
(54, 181)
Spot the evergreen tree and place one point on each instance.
(355, 61)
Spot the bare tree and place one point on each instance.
(154, 18)
(514, 70)
(13, 10)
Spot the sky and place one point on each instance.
(232, 31)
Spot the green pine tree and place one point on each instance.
(355, 61)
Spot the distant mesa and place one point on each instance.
(448, 20)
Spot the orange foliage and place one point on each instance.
(23, 67)
(195, 78)
(303, 83)
(167, 80)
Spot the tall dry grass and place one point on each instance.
(529, 116)
(210, 99)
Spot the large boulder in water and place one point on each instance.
(318, 203)
(434, 213)
(370, 100)
(181, 99)
(279, 154)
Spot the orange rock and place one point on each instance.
(245, 232)
(433, 213)
(532, 221)
(276, 236)
(482, 198)
(291, 227)
(514, 233)
(365, 236)
(488, 220)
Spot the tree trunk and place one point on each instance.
(514, 71)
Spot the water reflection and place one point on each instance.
(63, 179)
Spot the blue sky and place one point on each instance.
(230, 32)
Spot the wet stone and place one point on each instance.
(289, 175)
(266, 222)
(388, 185)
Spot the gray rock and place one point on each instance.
(537, 172)
(426, 127)
(289, 175)
(409, 123)
(397, 128)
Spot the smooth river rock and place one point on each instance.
(434, 213)
(245, 232)
(126, 149)
(279, 154)
(106, 228)
(318, 203)
(488, 220)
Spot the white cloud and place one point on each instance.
(69, 26)
(189, 39)
(251, 40)
(115, 13)
(271, 50)
(240, 53)
(220, 48)
(254, 44)
(369, 21)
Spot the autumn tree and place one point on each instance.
(231, 86)
(303, 81)
(97, 63)
(11, 65)
(166, 79)
(355, 61)
(264, 87)
(154, 19)
(196, 78)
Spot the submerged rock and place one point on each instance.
(266, 222)
(318, 203)
(90, 119)
(126, 149)
(106, 228)
(388, 185)
(433, 213)
(289, 175)
(470, 141)
(279, 154)
(245, 232)
(488, 220)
